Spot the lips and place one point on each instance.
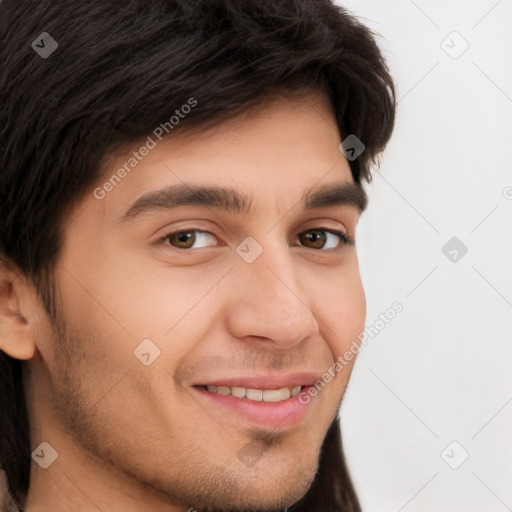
(272, 400)
(280, 414)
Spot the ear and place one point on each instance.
(17, 326)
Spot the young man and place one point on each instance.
(180, 185)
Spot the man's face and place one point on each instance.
(214, 307)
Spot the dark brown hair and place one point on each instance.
(121, 69)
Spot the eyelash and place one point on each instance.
(345, 239)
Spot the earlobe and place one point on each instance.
(17, 330)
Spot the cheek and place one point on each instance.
(344, 308)
(354, 306)
(165, 304)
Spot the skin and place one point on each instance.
(138, 438)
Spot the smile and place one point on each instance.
(256, 395)
(277, 408)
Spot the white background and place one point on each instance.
(440, 371)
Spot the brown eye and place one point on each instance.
(182, 240)
(186, 239)
(317, 238)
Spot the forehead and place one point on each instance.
(278, 150)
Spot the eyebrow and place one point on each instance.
(231, 200)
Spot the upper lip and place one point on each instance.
(304, 378)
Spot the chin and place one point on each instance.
(272, 492)
(264, 491)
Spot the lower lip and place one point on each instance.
(275, 414)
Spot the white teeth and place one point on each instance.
(254, 394)
(238, 392)
(257, 395)
(276, 395)
(223, 390)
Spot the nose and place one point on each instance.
(267, 303)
